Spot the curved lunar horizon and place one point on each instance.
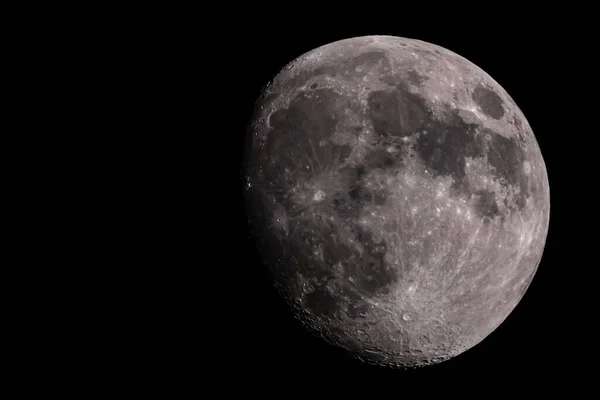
(398, 195)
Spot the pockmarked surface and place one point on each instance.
(398, 195)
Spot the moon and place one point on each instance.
(398, 195)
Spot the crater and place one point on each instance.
(488, 101)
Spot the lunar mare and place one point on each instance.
(398, 195)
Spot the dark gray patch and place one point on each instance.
(367, 268)
(415, 78)
(293, 254)
(335, 252)
(298, 258)
(344, 206)
(313, 86)
(348, 202)
(321, 302)
(348, 177)
(379, 197)
(447, 144)
(311, 113)
(358, 171)
(372, 275)
(521, 199)
(506, 156)
(357, 193)
(397, 112)
(488, 101)
(485, 204)
(299, 138)
(380, 159)
(361, 195)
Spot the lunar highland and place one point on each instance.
(398, 195)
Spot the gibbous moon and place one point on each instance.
(398, 195)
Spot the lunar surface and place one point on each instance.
(398, 195)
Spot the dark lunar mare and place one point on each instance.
(299, 147)
(298, 144)
(445, 142)
(396, 112)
